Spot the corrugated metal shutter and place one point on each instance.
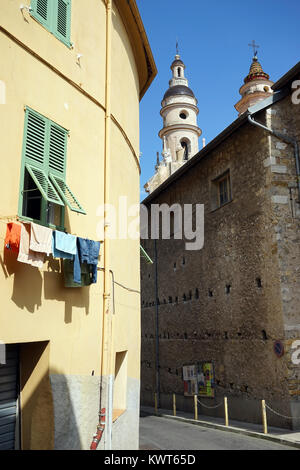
(9, 398)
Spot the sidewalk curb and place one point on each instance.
(269, 437)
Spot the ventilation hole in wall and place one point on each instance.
(151, 336)
(184, 298)
(176, 371)
(168, 335)
(197, 293)
(146, 304)
(174, 265)
(183, 260)
(264, 334)
(146, 336)
(170, 300)
(231, 385)
(149, 276)
(226, 335)
(228, 288)
(190, 295)
(218, 382)
(239, 334)
(210, 293)
(258, 282)
(170, 370)
(185, 335)
(176, 300)
(93, 372)
(165, 301)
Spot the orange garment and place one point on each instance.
(13, 235)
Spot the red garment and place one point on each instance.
(13, 235)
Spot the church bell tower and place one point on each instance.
(180, 131)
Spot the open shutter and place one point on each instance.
(57, 149)
(66, 194)
(41, 12)
(44, 185)
(61, 26)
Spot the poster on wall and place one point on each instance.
(198, 379)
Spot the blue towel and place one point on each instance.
(87, 252)
(64, 245)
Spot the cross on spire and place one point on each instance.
(177, 48)
(254, 46)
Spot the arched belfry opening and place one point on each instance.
(185, 146)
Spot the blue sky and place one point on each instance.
(213, 41)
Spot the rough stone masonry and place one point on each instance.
(231, 301)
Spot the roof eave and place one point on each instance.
(146, 66)
(293, 73)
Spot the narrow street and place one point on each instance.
(164, 434)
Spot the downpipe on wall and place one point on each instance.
(106, 390)
(285, 138)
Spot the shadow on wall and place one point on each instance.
(48, 418)
(29, 282)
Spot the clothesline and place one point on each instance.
(32, 242)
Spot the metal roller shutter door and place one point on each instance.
(9, 398)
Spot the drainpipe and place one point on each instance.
(106, 392)
(157, 372)
(107, 338)
(285, 138)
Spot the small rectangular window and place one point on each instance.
(120, 384)
(221, 191)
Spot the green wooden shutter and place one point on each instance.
(44, 185)
(57, 149)
(66, 194)
(41, 11)
(35, 138)
(36, 154)
(61, 21)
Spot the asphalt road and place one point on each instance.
(158, 433)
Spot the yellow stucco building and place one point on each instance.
(71, 77)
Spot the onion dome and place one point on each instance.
(176, 63)
(178, 90)
(256, 72)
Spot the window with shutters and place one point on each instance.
(54, 15)
(44, 193)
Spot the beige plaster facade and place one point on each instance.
(68, 339)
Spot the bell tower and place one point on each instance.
(257, 85)
(180, 132)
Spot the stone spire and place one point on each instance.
(180, 132)
(257, 87)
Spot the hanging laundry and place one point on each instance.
(41, 239)
(87, 252)
(68, 269)
(64, 245)
(25, 254)
(13, 235)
